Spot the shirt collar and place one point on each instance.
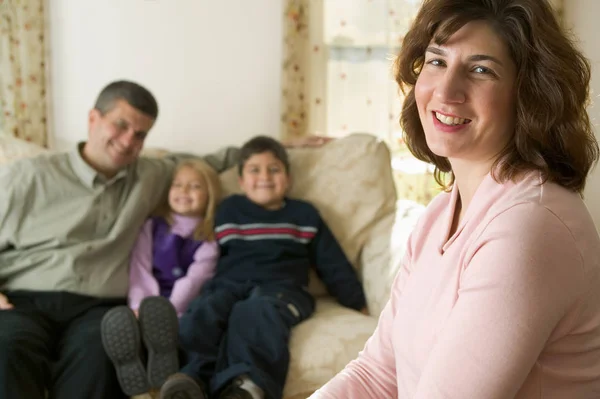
(88, 175)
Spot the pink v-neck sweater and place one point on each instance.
(507, 307)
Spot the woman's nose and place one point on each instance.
(450, 87)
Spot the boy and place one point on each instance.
(235, 334)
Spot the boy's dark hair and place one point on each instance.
(259, 145)
(135, 95)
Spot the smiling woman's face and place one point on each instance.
(465, 95)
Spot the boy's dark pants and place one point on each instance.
(237, 328)
(50, 342)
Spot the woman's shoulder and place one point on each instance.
(531, 207)
(551, 199)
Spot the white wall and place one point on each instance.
(582, 17)
(214, 66)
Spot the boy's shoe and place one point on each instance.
(121, 340)
(234, 391)
(182, 386)
(160, 328)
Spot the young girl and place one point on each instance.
(176, 251)
(174, 256)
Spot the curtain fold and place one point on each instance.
(296, 64)
(22, 70)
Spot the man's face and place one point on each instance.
(116, 138)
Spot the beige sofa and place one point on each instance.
(350, 182)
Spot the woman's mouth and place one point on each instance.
(451, 120)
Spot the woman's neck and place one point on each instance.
(467, 178)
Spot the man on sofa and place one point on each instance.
(68, 222)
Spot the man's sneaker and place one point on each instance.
(121, 339)
(182, 386)
(160, 328)
(234, 391)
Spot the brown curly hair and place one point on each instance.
(553, 133)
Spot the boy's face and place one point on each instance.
(264, 180)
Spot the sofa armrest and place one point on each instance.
(12, 149)
(382, 253)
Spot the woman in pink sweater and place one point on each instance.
(499, 293)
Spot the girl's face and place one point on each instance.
(188, 195)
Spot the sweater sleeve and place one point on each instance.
(9, 207)
(199, 272)
(141, 280)
(335, 270)
(520, 278)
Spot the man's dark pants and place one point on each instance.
(50, 347)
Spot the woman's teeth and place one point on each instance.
(449, 120)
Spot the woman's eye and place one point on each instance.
(482, 70)
(435, 62)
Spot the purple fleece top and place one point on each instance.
(145, 268)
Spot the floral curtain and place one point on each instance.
(337, 77)
(22, 70)
(294, 118)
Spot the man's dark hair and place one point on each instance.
(135, 95)
(262, 144)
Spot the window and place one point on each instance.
(360, 41)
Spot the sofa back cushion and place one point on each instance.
(12, 148)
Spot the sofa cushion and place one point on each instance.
(323, 344)
(12, 148)
(349, 180)
(384, 251)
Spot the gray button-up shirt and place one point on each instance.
(63, 227)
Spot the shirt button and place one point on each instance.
(89, 248)
(177, 272)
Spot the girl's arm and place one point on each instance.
(141, 280)
(201, 270)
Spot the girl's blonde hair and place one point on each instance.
(206, 229)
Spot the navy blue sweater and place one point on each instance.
(263, 246)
